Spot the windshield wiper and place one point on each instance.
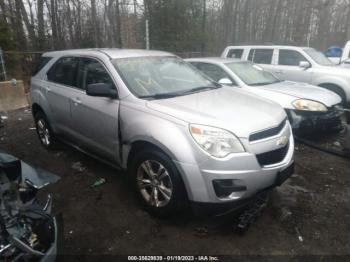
(202, 88)
(182, 93)
(161, 96)
(264, 83)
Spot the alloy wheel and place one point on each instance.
(44, 132)
(154, 183)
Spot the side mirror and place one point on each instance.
(101, 90)
(304, 64)
(225, 81)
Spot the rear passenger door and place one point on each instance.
(262, 56)
(61, 80)
(95, 119)
(288, 66)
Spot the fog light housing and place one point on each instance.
(225, 187)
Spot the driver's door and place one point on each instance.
(95, 119)
(288, 67)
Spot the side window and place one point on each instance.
(261, 56)
(290, 58)
(235, 53)
(64, 71)
(43, 62)
(92, 72)
(213, 71)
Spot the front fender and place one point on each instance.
(172, 137)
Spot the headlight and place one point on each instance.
(309, 105)
(216, 141)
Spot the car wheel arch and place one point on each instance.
(336, 89)
(138, 145)
(37, 108)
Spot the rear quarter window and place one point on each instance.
(235, 53)
(64, 71)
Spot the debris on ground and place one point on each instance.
(251, 213)
(58, 154)
(337, 144)
(299, 235)
(28, 230)
(78, 166)
(201, 231)
(98, 182)
(285, 214)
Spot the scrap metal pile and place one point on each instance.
(28, 230)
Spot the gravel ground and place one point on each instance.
(307, 218)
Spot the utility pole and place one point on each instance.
(147, 35)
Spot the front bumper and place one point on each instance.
(230, 206)
(307, 122)
(241, 175)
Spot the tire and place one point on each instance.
(161, 194)
(336, 89)
(44, 131)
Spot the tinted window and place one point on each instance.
(43, 62)
(213, 71)
(235, 53)
(92, 72)
(290, 58)
(261, 56)
(64, 71)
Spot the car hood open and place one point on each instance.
(238, 111)
(306, 91)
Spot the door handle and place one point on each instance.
(279, 71)
(77, 101)
(47, 89)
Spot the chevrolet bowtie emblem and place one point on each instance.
(282, 141)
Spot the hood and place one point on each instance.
(306, 91)
(235, 110)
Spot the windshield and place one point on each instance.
(252, 75)
(318, 57)
(161, 77)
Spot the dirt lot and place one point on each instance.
(309, 215)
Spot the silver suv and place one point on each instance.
(301, 64)
(178, 134)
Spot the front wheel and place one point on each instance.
(45, 134)
(158, 183)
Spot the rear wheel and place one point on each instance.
(158, 183)
(45, 134)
